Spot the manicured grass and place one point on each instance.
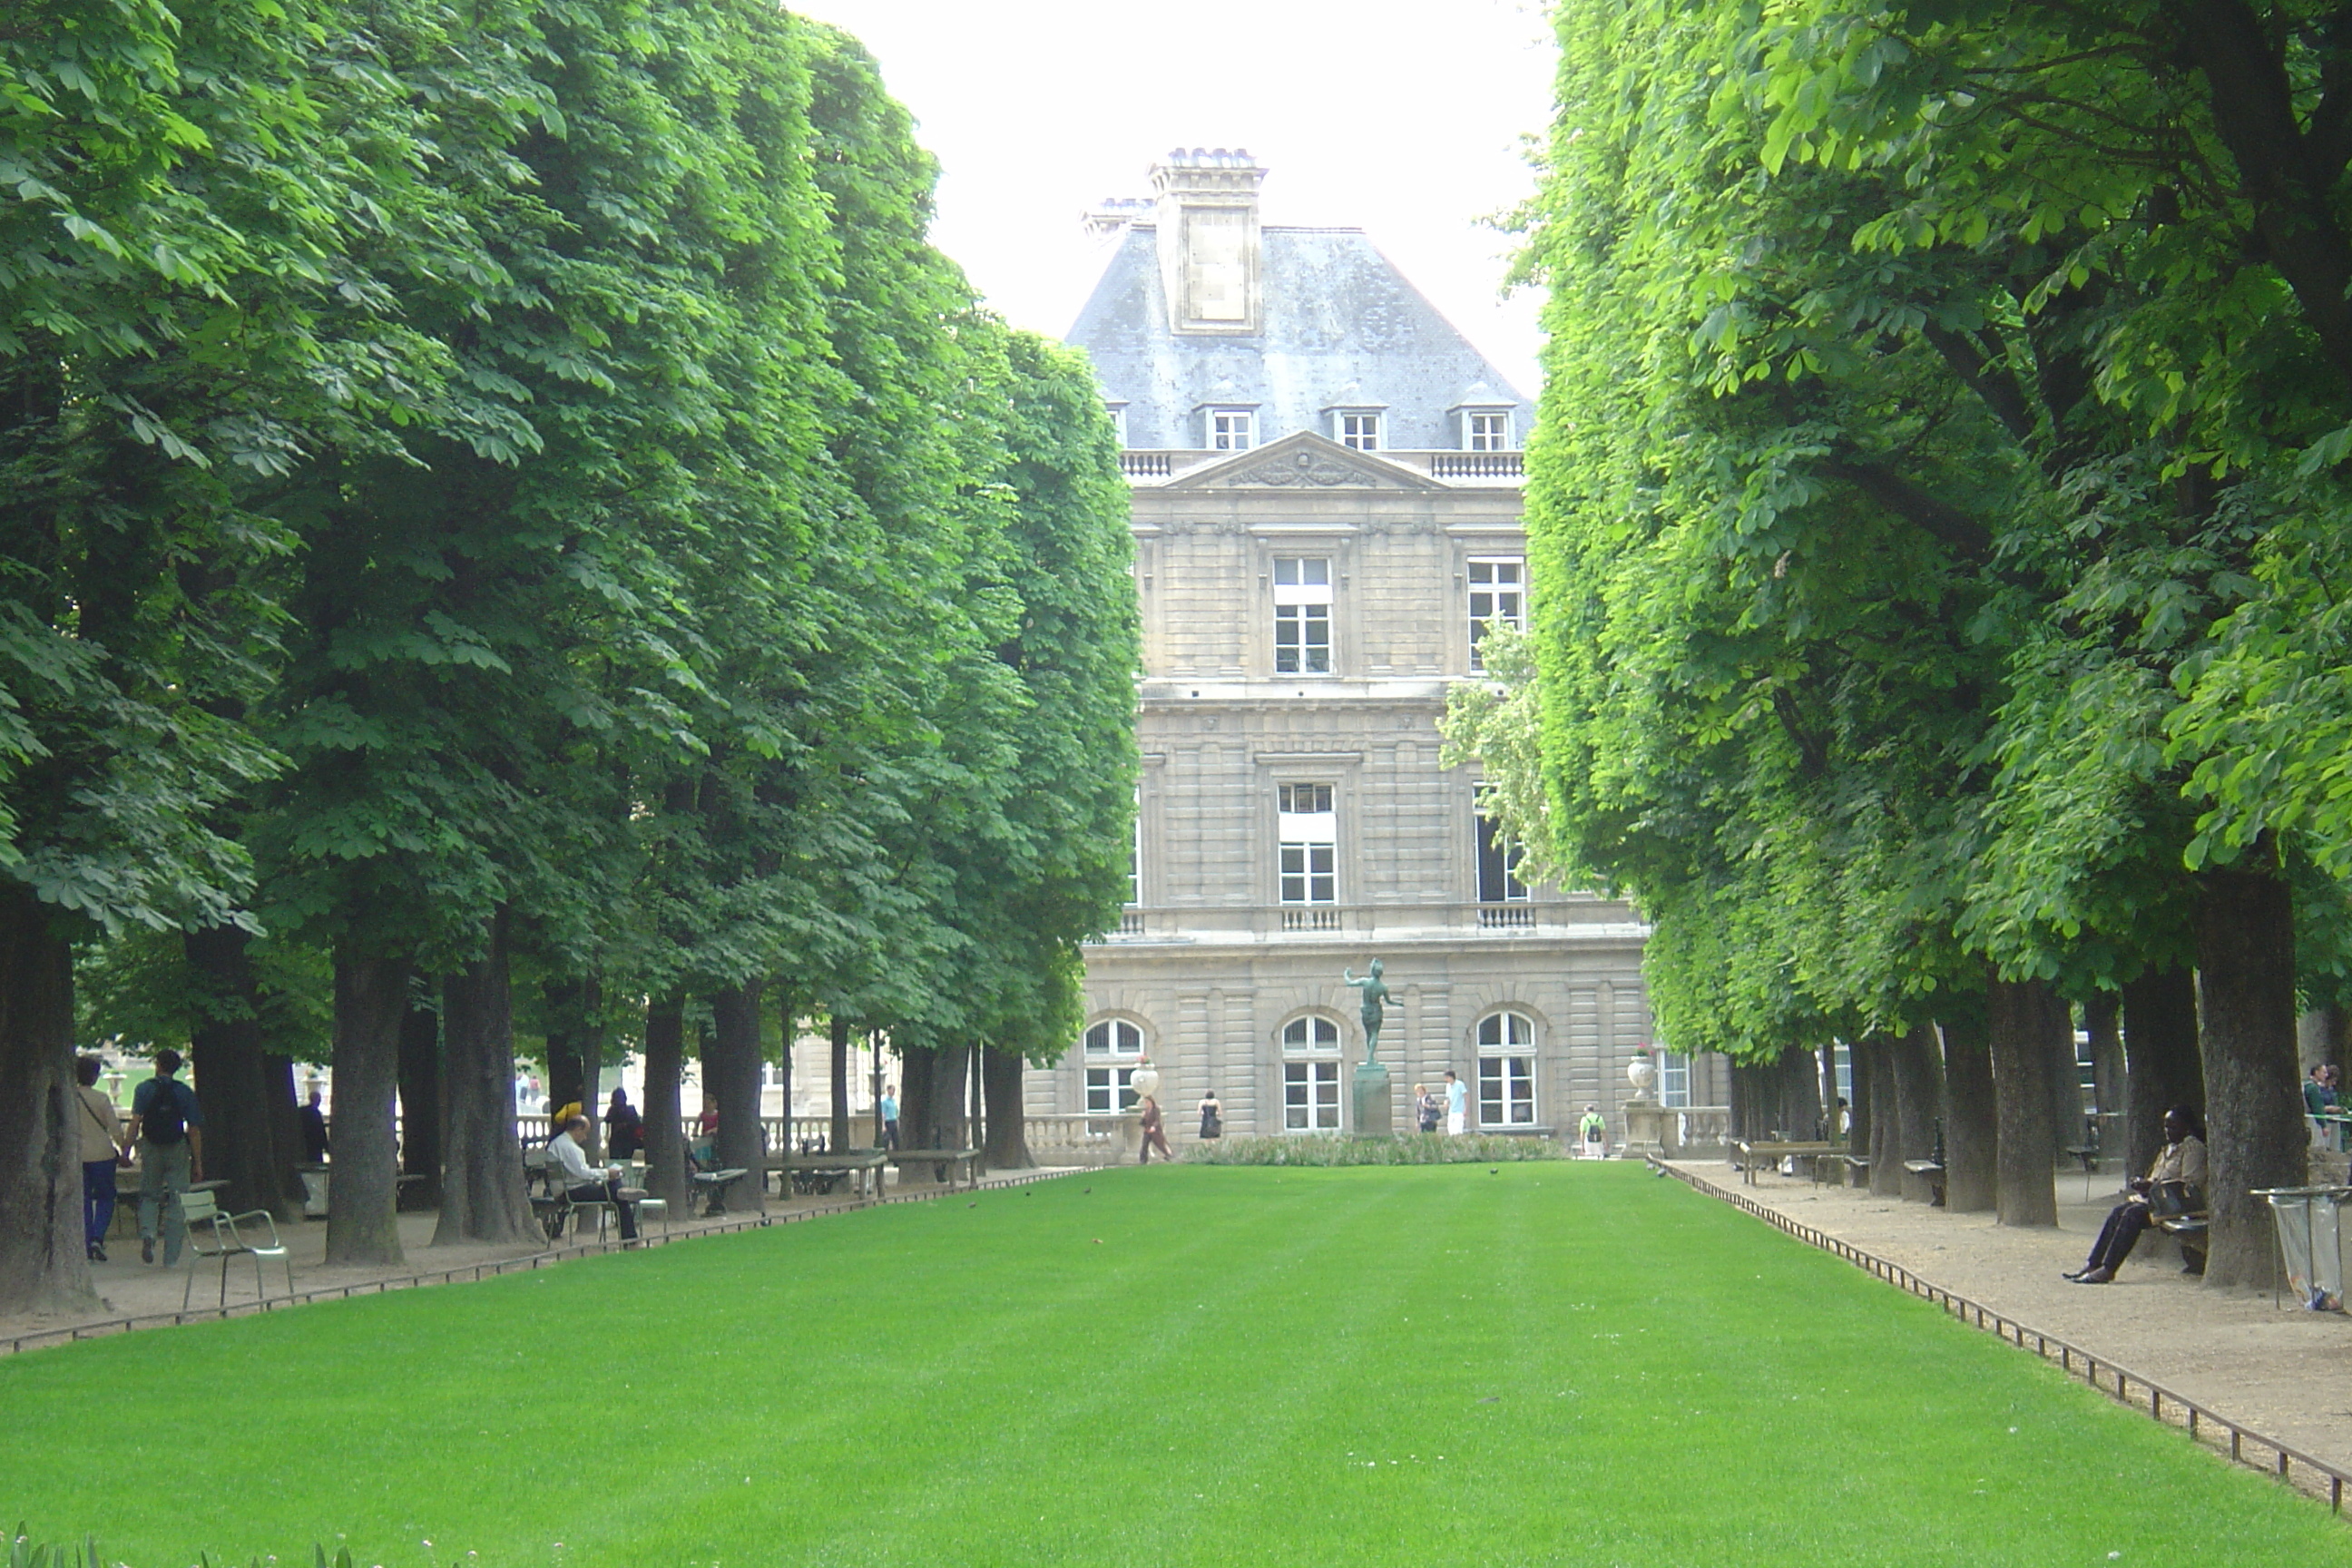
(1552, 1364)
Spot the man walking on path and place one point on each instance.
(102, 1146)
(167, 1126)
(314, 1131)
(889, 1108)
(1457, 1104)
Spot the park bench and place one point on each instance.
(822, 1172)
(964, 1162)
(1772, 1150)
(715, 1184)
(1931, 1168)
(2189, 1224)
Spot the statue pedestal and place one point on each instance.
(1645, 1128)
(1373, 1119)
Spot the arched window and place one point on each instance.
(1507, 1070)
(1113, 1048)
(1311, 1075)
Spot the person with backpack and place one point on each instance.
(167, 1127)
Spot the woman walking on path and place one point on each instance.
(101, 1149)
(1212, 1116)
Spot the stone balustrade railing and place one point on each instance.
(1589, 917)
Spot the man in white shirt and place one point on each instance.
(585, 1182)
(1458, 1105)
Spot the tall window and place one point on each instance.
(1507, 1070)
(1674, 1079)
(1498, 861)
(1308, 831)
(1302, 615)
(1135, 853)
(1310, 1076)
(1232, 430)
(1499, 592)
(1114, 1047)
(1486, 432)
(1360, 431)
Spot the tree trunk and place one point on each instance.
(1008, 1143)
(2018, 1016)
(951, 1069)
(837, 1136)
(1918, 1103)
(567, 1071)
(371, 998)
(43, 1267)
(2103, 1020)
(424, 1107)
(1886, 1155)
(1861, 1126)
(731, 1073)
(664, 1134)
(482, 1192)
(917, 1119)
(2245, 992)
(285, 1128)
(2163, 1065)
(1826, 1085)
(1800, 1095)
(225, 1042)
(1971, 1145)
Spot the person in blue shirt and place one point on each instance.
(889, 1108)
(167, 1128)
(1458, 1105)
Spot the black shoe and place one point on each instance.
(146, 1249)
(97, 1252)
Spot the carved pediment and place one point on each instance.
(1304, 461)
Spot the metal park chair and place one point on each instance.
(226, 1237)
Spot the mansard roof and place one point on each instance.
(1339, 327)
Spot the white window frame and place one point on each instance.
(1487, 430)
(1112, 1049)
(1357, 429)
(1499, 592)
(1507, 1069)
(1311, 1075)
(1307, 839)
(1119, 420)
(1230, 429)
(1302, 615)
(1674, 1079)
(1514, 891)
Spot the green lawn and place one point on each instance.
(1555, 1364)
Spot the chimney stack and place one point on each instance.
(1208, 239)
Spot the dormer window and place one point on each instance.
(1117, 419)
(1358, 429)
(1486, 429)
(1232, 430)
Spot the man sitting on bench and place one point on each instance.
(2179, 1170)
(586, 1184)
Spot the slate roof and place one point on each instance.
(1341, 328)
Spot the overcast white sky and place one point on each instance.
(1406, 121)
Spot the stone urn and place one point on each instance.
(1146, 1081)
(1640, 1072)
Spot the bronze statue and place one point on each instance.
(1376, 992)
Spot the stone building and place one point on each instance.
(1327, 509)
